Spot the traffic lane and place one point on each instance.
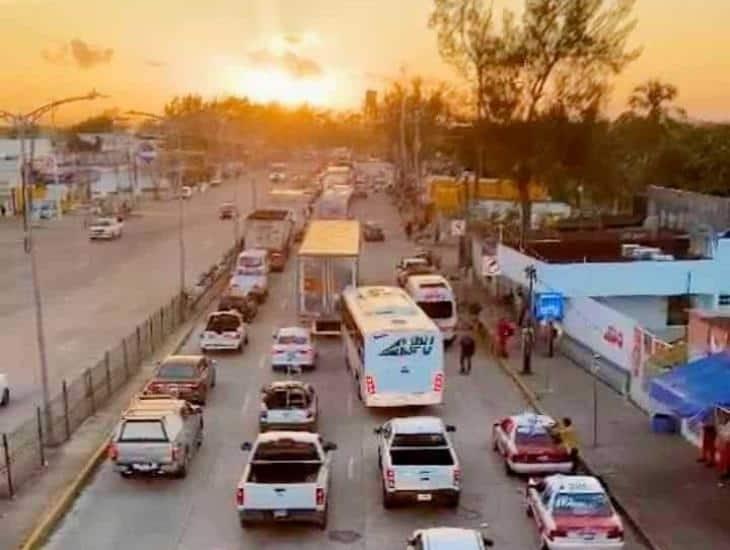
(81, 324)
(113, 512)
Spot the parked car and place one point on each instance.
(4, 390)
(418, 462)
(188, 377)
(224, 330)
(157, 435)
(574, 512)
(293, 347)
(448, 538)
(227, 211)
(525, 442)
(288, 405)
(247, 306)
(286, 479)
(372, 231)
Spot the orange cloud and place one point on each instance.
(77, 51)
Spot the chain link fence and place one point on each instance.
(23, 451)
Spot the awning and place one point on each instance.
(694, 389)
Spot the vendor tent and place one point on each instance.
(696, 388)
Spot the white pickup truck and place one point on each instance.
(106, 228)
(286, 479)
(418, 462)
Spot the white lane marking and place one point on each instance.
(262, 362)
(349, 404)
(351, 468)
(245, 404)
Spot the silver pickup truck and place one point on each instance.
(157, 435)
(286, 479)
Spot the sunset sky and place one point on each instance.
(141, 52)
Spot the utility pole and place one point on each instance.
(23, 123)
(528, 332)
(403, 151)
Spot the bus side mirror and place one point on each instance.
(450, 428)
(487, 541)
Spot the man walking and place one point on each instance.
(468, 346)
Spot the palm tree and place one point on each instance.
(653, 98)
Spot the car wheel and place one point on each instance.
(388, 501)
(508, 469)
(239, 349)
(322, 522)
(528, 511)
(6, 398)
(126, 475)
(245, 340)
(495, 445)
(182, 473)
(453, 501)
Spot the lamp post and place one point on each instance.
(180, 198)
(23, 122)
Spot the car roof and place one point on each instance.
(417, 425)
(293, 331)
(182, 359)
(574, 484)
(451, 538)
(304, 437)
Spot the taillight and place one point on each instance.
(615, 533)
(457, 477)
(239, 496)
(557, 533)
(113, 452)
(438, 382)
(390, 478)
(370, 385)
(320, 496)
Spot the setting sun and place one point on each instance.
(271, 84)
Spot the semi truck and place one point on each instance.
(272, 230)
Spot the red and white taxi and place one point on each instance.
(293, 347)
(574, 512)
(528, 447)
(225, 330)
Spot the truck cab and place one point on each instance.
(418, 462)
(286, 479)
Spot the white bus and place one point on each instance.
(394, 351)
(434, 295)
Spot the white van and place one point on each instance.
(436, 298)
(251, 274)
(394, 351)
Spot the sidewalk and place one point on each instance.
(675, 502)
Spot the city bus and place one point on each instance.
(392, 348)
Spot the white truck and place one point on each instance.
(106, 228)
(286, 479)
(418, 462)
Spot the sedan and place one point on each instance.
(188, 377)
(293, 347)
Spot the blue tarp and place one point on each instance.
(694, 389)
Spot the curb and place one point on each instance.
(534, 401)
(45, 527)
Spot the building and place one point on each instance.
(10, 176)
(688, 211)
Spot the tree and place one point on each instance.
(551, 65)
(100, 124)
(651, 100)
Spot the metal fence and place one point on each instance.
(23, 451)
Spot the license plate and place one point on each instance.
(588, 536)
(543, 458)
(291, 356)
(145, 467)
(280, 513)
(423, 497)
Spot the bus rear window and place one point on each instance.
(442, 309)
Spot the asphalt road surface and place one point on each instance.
(199, 513)
(95, 292)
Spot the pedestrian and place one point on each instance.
(468, 347)
(709, 435)
(409, 229)
(565, 433)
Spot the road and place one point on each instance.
(95, 293)
(198, 512)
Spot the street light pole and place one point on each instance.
(22, 123)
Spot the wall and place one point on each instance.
(687, 210)
(648, 311)
(706, 336)
(644, 278)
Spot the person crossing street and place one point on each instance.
(467, 349)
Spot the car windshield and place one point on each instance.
(250, 261)
(223, 323)
(172, 370)
(438, 310)
(292, 339)
(143, 431)
(292, 398)
(419, 440)
(582, 504)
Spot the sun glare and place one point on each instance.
(267, 85)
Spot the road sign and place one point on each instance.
(458, 228)
(549, 306)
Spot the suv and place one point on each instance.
(157, 435)
(188, 377)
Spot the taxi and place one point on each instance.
(525, 443)
(574, 512)
(293, 347)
